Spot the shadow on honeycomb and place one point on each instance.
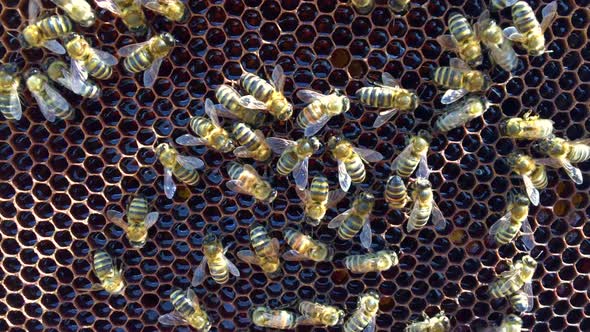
(58, 178)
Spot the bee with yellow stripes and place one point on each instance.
(304, 247)
(269, 93)
(214, 257)
(459, 80)
(526, 30)
(183, 167)
(51, 103)
(398, 6)
(58, 71)
(78, 10)
(356, 219)
(246, 180)
(318, 199)
(351, 159)
(148, 56)
(236, 107)
(528, 127)
(388, 94)
(253, 143)
(320, 109)
(517, 278)
(533, 175)
(562, 153)
(497, 5)
(86, 60)
(44, 32)
(413, 155)
(515, 221)
(10, 105)
(438, 323)
(500, 48)
(317, 314)
(424, 205)
(210, 131)
(274, 318)
(458, 114)
(139, 221)
(109, 275)
(187, 311)
(266, 251)
(174, 10)
(372, 262)
(294, 156)
(396, 193)
(129, 11)
(363, 318)
(463, 40)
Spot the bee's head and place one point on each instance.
(168, 39)
(334, 141)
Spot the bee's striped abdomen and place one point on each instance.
(420, 215)
(376, 97)
(256, 86)
(460, 28)
(448, 77)
(497, 5)
(98, 69)
(200, 125)
(287, 162)
(103, 264)
(524, 17)
(405, 167)
(234, 170)
(181, 303)
(539, 177)
(505, 236)
(246, 137)
(60, 112)
(356, 169)
(55, 26)
(259, 238)
(139, 60)
(396, 194)
(138, 210)
(218, 269)
(310, 113)
(5, 107)
(519, 301)
(230, 99)
(188, 176)
(319, 189)
(350, 227)
(357, 322)
(578, 153)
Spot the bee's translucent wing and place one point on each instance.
(233, 269)
(278, 78)
(151, 219)
(527, 235)
(389, 80)
(366, 235)
(455, 118)
(574, 173)
(438, 219)
(109, 5)
(335, 196)
(278, 145)
(528, 290)
(190, 140)
(302, 194)
(237, 187)
(190, 294)
(242, 152)
(169, 186)
(459, 64)
(48, 112)
(402, 156)
(300, 173)
(174, 318)
(191, 163)
(337, 221)
(549, 13)
(79, 74)
(483, 17)
(116, 218)
(313, 128)
(411, 220)
(447, 41)
(128, 49)
(451, 96)
(249, 257)
(383, 117)
(551, 162)
(368, 155)
(531, 191)
(199, 273)
(57, 99)
(15, 108)
(54, 46)
(106, 57)
(371, 326)
(343, 176)
(512, 34)
(150, 74)
(251, 102)
(223, 112)
(423, 170)
(34, 9)
(275, 245)
(308, 96)
(211, 112)
(501, 223)
(294, 256)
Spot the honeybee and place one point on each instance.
(458, 114)
(148, 56)
(534, 176)
(463, 40)
(253, 143)
(563, 153)
(396, 193)
(412, 155)
(500, 48)
(350, 222)
(518, 277)
(187, 311)
(364, 316)
(273, 319)
(246, 180)
(390, 95)
(44, 32)
(373, 262)
(528, 127)
(219, 266)
(130, 12)
(438, 323)
(86, 60)
(269, 93)
(138, 222)
(50, 102)
(183, 167)
(266, 251)
(398, 6)
(520, 301)
(363, 7)
(460, 80)
(294, 157)
(320, 109)
(78, 10)
(232, 106)
(318, 199)
(110, 276)
(511, 323)
(9, 99)
(319, 314)
(526, 30)
(304, 247)
(505, 229)
(58, 71)
(424, 205)
(351, 168)
(210, 131)
(497, 5)
(174, 10)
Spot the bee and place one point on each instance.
(424, 205)
(246, 180)
(518, 277)
(351, 168)
(563, 153)
(319, 314)
(10, 105)
(511, 323)
(174, 10)
(138, 222)
(148, 56)
(356, 219)
(78, 10)
(304, 247)
(266, 251)
(373, 262)
(412, 155)
(187, 311)
(458, 114)
(220, 266)
(183, 167)
(505, 229)
(86, 60)
(130, 12)
(253, 143)
(234, 106)
(398, 6)
(318, 199)
(58, 71)
(390, 95)
(320, 109)
(526, 30)
(274, 319)
(44, 32)
(363, 317)
(519, 301)
(110, 276)
(269, 93)
(396, 193)
(497, 5)
(438, 323)
(210, 131)
(50, 102)
(533, 175)
(463, 40)
(528, 127)
(363, 7)
(460, 80)
(500, 48)
(294, 157)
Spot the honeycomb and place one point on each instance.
(57, 179)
